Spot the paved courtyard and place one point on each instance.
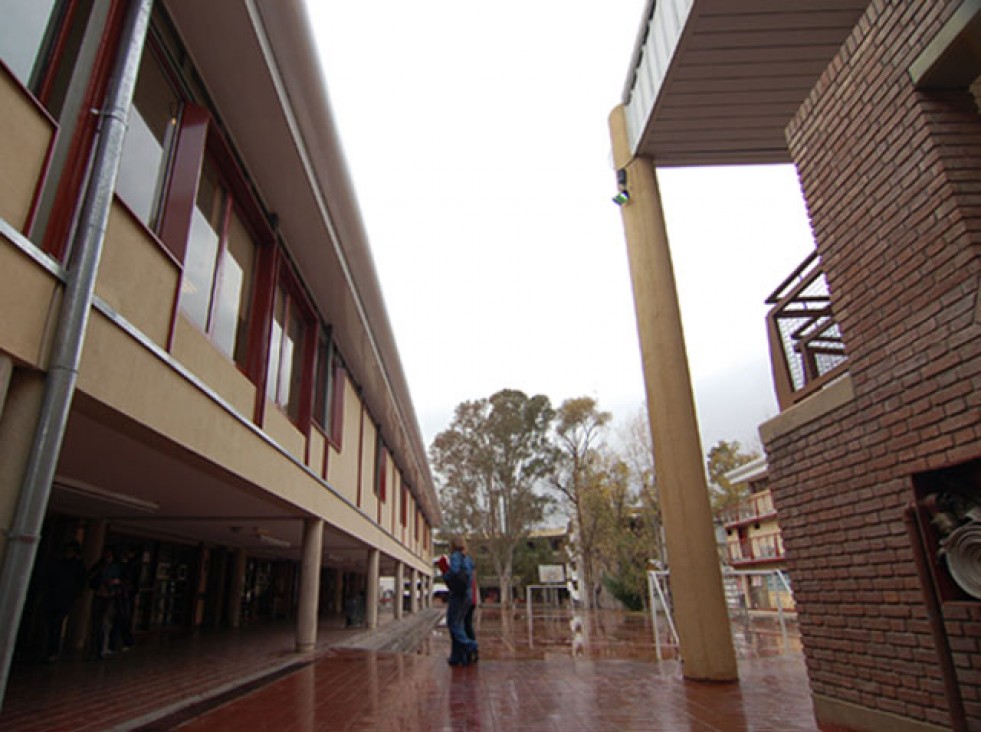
(558, 672)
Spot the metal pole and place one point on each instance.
(18, 561)
(657, 630)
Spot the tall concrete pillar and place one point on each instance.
(92, 547)
(371, 590)
(696, 581)
(414, 595)
(306, 617)
(427, 591)
(234, 605)
(399, 588)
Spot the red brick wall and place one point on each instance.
(892, 180)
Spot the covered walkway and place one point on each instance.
(557, 672)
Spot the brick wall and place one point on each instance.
(892, 180)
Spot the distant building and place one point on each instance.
(754, 542)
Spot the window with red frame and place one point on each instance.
(405, 505)
(39, 43)
(287, 352)
(328, 397)
(219, 267)
(381, 469)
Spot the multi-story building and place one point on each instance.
(754, 543)
(874, 460)
(227, 405)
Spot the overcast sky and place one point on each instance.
(476, 134)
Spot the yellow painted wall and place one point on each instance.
(317, 447)
(25, 135)
(30, 297)
(136, 277)
(342, 469)
(369, 504)
(118, 371)
(193, 349)
(278, 426)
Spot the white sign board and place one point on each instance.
(551, 574)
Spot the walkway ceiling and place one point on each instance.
(717, 83)
(114, 469)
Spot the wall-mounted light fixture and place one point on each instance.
(622, 197)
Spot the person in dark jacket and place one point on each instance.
(458, 573)
(63, 582)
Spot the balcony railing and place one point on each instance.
(750, 509)
(763, 547)
(806, 349)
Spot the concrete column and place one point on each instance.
(306, 617)
(371, 589)
(92, 546)
(6, 372)
(21, 395)
(234, 605)
(427, 591)
(696, 581)
(339, 591)
(399, 588)
(414, 595)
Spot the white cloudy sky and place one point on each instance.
(477, 137)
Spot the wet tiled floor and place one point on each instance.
(557, 672)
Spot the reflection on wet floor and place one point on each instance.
(558, 670)
(607, 634)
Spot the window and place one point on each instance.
(381, 468)
(216, 293)
(286, 353)
(405, 505)
(149, 140)
(39, 42)
(178, 176)
(328, 388)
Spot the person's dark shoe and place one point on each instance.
(473, 657)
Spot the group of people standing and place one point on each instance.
(113, 582)
(461, 581)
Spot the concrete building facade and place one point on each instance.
(875, 458)
(236, 414)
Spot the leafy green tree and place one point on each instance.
(578, 434)
(490, 462)
(723, 458)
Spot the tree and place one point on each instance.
(578, 430)
(490, 461)
(638, 452)
(723, 458)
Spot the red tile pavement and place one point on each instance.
(363, 690)
(559, 672)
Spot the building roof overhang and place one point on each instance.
(715, 82)
(259, 63)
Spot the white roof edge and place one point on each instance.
(744, 473)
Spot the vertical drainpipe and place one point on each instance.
(59, 389)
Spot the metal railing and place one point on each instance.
(806, 348)
(757, 506)
(757, 548)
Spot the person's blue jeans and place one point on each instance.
(461, 645)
